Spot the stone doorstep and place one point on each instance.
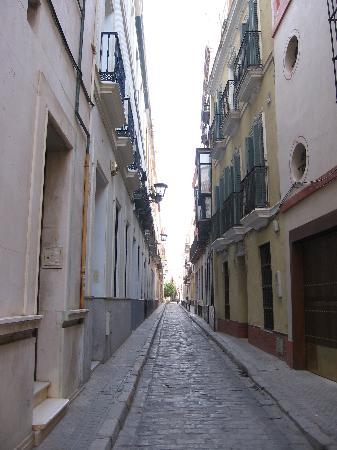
(40, 392)
(317, 437)
(94, 364)
(46, 415)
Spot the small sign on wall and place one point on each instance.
(52, 258)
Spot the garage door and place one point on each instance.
(320, 303)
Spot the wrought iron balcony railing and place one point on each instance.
(215, 131)
(228, 99)
(248, 56)
(111, 61)
(137, 161)
(254, 190)
(128, 130)
(216, 225)
(232, 211)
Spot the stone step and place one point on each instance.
(94, 364)
(46, 415)
(40, 392)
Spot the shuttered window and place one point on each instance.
(236, 172)
(267, 288)
(254, 147)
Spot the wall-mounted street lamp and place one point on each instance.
(163, 237)
(157, 193)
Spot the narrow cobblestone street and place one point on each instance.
(191, 396)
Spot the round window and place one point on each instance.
(299, 161)
(291, 56)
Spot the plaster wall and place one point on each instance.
(17, 370)
(320, 203)
(254, 282)
(38, 86)
(311, 117)
(298, 114)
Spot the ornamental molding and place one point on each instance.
(224, 55)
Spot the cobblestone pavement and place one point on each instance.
(77, 430)
(191, 396)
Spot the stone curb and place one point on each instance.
(109, 431)
(317, 438)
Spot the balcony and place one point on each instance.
(112, 78)
(231, 116)
(256, 213)
(216, 226)
(215, 131)
(133, 173)
(248, 70)
(232, 211)
(126, 136)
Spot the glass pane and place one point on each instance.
(205, 179)
(204, 158)
(208, 207)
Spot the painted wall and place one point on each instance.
(308, 118)
(38, 87)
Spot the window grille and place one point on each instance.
(332, 13)
(226, 279)
(267, 288)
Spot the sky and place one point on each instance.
(176, 33)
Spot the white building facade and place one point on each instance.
(306, 127)
(71, 228)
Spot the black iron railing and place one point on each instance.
(232, 212)
(248, 56)
(228, 99)
(128, 130)
(193, 249)
(205, 113)
(254, 190)
(216, 225)
(216, 133)
(332, 13)
(111, 61)
(137, 161)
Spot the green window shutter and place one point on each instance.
(244, 28)
(258, 143)
(217, 198)
(260, 188)
(221, 192)
(225, 176)
(237, 172)
(231, 179)
(249, 153)
(252, 15)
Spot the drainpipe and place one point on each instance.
(79, 85)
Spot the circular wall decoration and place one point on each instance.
(299, 159)
(291, 55)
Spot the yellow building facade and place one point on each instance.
(247, 241)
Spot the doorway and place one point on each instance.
(98, 261)
(54, 226)
(314, 293)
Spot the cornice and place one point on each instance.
(226, 46)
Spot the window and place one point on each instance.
(255, 146)
(33, 11)
(267, 288)
(126, 259)
(299, 161)
(226, 283)
(116, 261)
(291, 56)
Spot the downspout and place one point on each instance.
(86, 165)
(79, 84)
